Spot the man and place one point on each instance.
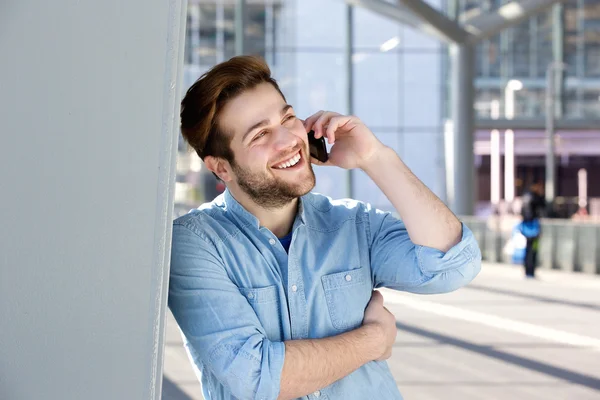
(271, 285)
(532, 209)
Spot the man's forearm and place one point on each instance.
(428, 221)
(312, 364)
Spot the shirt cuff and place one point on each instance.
(272, 366)
(460, 255)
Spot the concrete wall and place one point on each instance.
(88, 100)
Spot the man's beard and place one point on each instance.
(268, 191)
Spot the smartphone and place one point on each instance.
(318, 148)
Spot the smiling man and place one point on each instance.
(272, 285)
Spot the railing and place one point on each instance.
(564, 244)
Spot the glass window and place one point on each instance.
(520, 47)
(484, 102)
(255, 30)
(210, 31)
(591, 103)
(591, 37)
(201, 34)
(572, 39)
(543, 52)
(530, 103)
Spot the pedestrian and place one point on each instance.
(533, 206)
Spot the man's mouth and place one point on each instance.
(290, 162)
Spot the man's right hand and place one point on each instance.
(376, 315)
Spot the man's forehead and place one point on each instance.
(250, 108)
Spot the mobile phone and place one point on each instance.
(318, 148)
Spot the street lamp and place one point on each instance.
(509, 142)
(509, 97)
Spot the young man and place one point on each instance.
(271, 285)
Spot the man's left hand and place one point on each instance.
(354, 145)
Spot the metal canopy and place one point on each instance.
(420, 15)
(396, 12)
(484, 26)
(459, 135)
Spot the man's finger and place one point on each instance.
(309, 122)
(323, 121)
(377, 297)
(334, 124)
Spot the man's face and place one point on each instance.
(270, 146)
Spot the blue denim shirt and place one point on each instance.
(237, 295)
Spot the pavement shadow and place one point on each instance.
(543, 299)
(557, 372)
(170, 391)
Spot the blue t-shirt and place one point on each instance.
(286, 241)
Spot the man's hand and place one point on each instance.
(353, 143)
(312, 364)
(378, 316)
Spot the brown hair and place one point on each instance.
(204, 100)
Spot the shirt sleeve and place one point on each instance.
(399, 264)
(219, 323)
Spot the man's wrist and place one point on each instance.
(373, 339)
(377, 159)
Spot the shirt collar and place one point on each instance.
(247, 218)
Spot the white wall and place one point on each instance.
(88, 106)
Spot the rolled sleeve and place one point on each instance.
(219, 323)
(450, 270)
(399, 264)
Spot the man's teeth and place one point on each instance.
(292, 161)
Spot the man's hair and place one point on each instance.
(204, 100)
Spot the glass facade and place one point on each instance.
(210, 33)
(569, 33)
(396, 71)
(400, 81)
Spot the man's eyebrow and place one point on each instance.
(264, 122)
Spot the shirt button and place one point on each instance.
(272, 241)
(294, 288)
(250, 295)
(317, 394)
(348, 277)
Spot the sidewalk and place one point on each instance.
(180, 382)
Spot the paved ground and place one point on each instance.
(501, 337)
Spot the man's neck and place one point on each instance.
(279, 221)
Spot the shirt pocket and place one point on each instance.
(347, 294)
(265, 303)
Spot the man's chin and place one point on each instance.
(301, 184)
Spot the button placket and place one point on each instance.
(297, 301)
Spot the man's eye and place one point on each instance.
(289, 117)
(261, 134)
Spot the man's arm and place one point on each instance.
(313, 364)
(427, 219)
(428, 250)
(225, 332)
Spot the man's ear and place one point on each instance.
(219, 167)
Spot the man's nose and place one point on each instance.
(285, 139)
